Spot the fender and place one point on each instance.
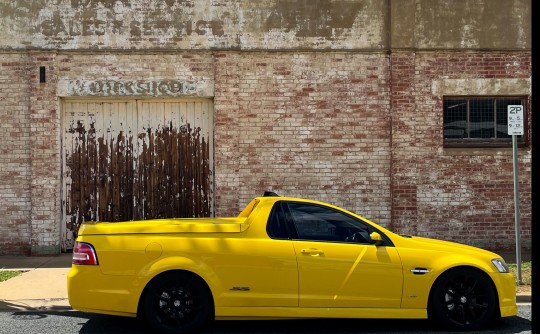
(185, 263)
(419, 275)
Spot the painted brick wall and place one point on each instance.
(404, 174)
(310, 125)
(359, 130)
(15, 161)
(464, 195)
(196, 66)
(45, 156)
(303, 124)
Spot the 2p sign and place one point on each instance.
(515, 120)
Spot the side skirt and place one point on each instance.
(223, 313)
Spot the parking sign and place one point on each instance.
(515, 120)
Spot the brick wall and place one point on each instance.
(464, 195)
(45, 156)
(303, 124)
(359, 130)
(404, 141)
(310, 125)
(15, 150)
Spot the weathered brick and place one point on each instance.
(359, 130)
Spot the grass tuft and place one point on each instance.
(526, 272)
(7, 274)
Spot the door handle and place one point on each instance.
(312, 252)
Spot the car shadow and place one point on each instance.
(513, 325)
(99, 323)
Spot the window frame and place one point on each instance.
(523, 141)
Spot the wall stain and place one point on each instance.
(314, 18)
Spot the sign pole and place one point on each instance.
(515, 128)
(516, 208)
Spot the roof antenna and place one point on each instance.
(270, 194)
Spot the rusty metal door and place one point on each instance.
(135, 159)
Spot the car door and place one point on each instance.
(255, 271)
(337, 269)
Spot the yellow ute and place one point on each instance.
(282, 258)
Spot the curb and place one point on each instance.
(523, 298)
(24, 305)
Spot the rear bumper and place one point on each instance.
(91, 291)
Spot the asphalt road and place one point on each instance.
(68, 322)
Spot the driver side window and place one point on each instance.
(318, 223)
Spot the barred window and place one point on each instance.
(478, 121)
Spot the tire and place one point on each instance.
(463, 299)
(177, 302)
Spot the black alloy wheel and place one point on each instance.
(463, 299)
(177, 302)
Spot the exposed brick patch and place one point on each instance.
(303, 124)
(46, 162)
(464, 196)
(15, 155)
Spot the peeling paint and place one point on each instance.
(205, 24)
(316, 18)
(160, 171)
(272, 24)
(480, 86)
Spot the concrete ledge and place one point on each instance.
(523, 298)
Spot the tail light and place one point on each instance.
(84, 254)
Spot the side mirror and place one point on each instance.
(376, 238)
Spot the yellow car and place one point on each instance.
(282, 258)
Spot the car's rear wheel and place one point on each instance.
(177, 302)
(463, 299)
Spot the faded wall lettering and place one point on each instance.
(131, 88)
(99, 20)
(190, 24)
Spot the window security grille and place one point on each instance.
(478, 121)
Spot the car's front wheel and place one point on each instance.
(177, 302)
(463, 299)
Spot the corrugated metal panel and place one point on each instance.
(136, 159)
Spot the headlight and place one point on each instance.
(500, 265)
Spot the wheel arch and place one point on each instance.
(461, 267)
(173, 271)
